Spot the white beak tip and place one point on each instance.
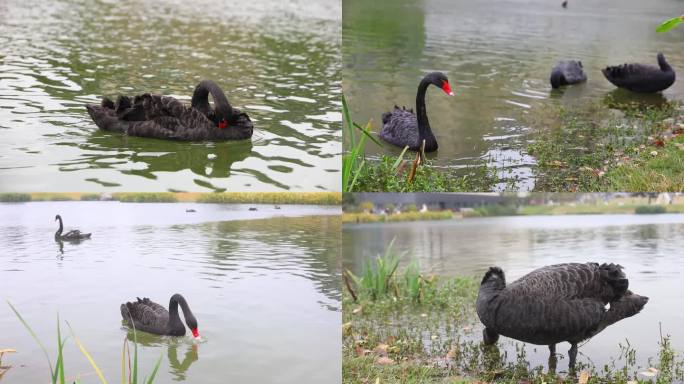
(451, 93)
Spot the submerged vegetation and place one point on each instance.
(609, 146)
(129, 373)
(403, 326)
(401, 174)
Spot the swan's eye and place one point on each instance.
(223, 124)
(447, 88)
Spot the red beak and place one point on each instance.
(195, 333)
(447, 88)
(223, 124)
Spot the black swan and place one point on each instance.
(165, 117)
(556, 303)
(401, 127)
(642, 77)
(71, 235)
(565, 4)
(567, 72)
(148, 316)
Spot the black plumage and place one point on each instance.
(72, 235)
(565, 302)
(567, 72)
(165, 117)
(642, 78)
(401, 127)
(148, 316)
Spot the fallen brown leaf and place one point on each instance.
(583, 377)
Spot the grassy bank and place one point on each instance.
(403, 326)
(606, 146)
(396, 217)
(309, 198)
(385, 176)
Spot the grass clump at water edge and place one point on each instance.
(58, 373)
(609, 146)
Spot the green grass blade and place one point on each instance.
(35, 337)
(154, 371)
(367, 132)
(123, 361)
(60, 357)
(87, 355)
(348, 120)
(400, 158)
(356, 176)
(669, 24)
(135, 355)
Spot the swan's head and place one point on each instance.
(192, 324)
(58, 217)
(495, 277)
(440, 80)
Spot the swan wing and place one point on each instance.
(603, 282)
(400, 128)
(145, 314)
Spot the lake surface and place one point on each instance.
(498, 56)
(647, 246)
(263, 285)
(279, 61)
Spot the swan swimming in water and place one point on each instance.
(165, 117)
(402, 128)
(148, 316)
(72, 235)
(642, 78)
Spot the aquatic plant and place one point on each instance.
(377, 275)
(57, 371)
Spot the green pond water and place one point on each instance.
(264, 286)
(498, 56)
(647, 246)
(278, 61)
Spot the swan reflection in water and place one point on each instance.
(177, 368)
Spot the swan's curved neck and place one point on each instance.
(664, 65)
(61, 228)
(421, 112)
(174, 318)
(200, 99)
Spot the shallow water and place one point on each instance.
(263, 286)
(648, 246)
(498, 56)
(279, 61)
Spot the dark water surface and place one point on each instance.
(263, 285)
(647, 246)
(279, 61)
(498, 55)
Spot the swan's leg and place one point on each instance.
(552, 358)
(572, 354)
(490, 337)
